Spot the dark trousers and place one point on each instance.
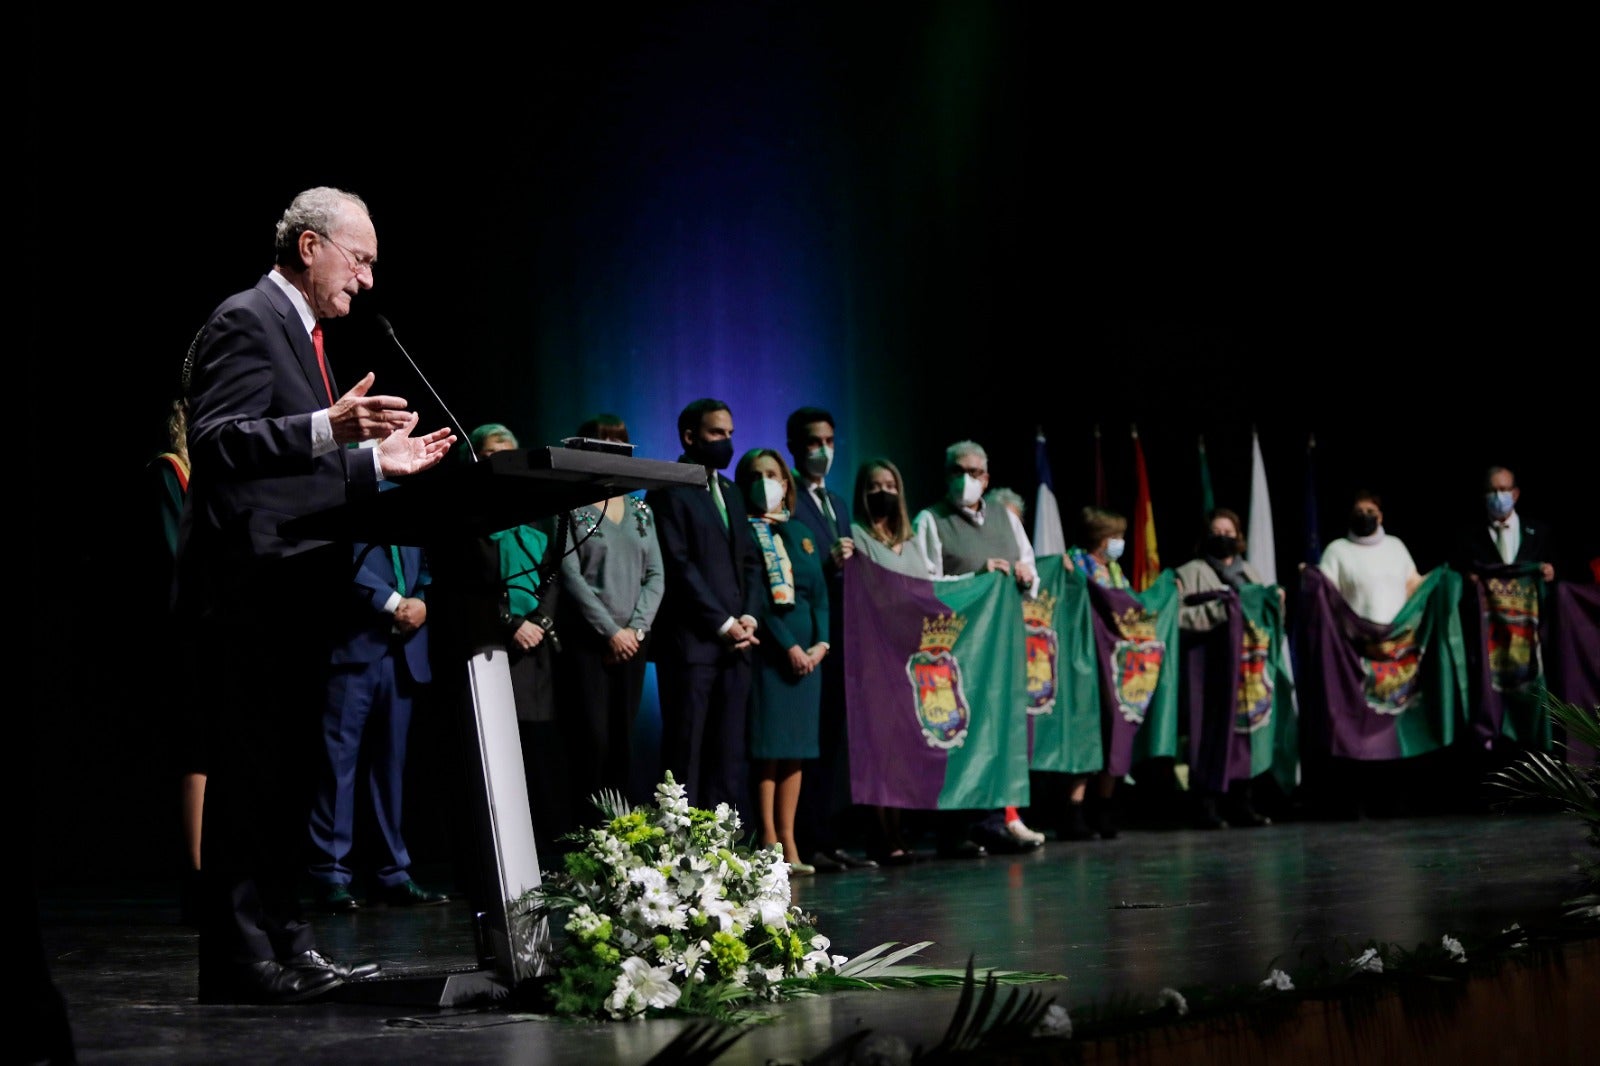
(596, 703)
(704, 710)
(822, 822)
(263, 691)
(365, 726)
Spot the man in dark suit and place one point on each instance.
(379, 667)
(824, 801)
(270, 440)
(1505, 536)
(707, 621)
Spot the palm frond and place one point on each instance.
(1579, 724)
(973, 1029)
(697, 1044)
(611, 803)
(961, 1019)
(1540, 775)
(873, 969)
(863, 965)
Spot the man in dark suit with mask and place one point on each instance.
(270, 439)
(822, 822)
(707, 621)
(1504, 536)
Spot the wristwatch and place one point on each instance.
(639, 632)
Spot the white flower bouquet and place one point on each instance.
(665, 911)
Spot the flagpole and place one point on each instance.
(1146, 559)
(1048, 536)
(1099, 471)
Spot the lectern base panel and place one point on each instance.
(455, 988)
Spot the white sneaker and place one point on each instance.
(1022, 834)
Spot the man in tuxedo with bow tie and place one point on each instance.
(270, 439)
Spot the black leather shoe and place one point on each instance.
(189, 896)
(826, 863)
(336, 899)
(1247, 817)
(849, 861)
(966, 849)
(1206, 816)
(896, 857)
(266, 981)
(314, 960)
(410, 894)
(1074, 826)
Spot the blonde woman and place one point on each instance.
(786, 697)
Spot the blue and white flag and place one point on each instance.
(1048, 538)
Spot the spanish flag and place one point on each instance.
(1146, 560)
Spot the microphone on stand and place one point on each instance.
(388, 328)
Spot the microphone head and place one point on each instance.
(383, 324)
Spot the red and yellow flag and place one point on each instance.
(1146, 560)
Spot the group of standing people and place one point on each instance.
(732, 587)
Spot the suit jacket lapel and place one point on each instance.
(727, 497)
(828, 528)
(838, 523)
(294, 331)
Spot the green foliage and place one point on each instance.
(1545, 776)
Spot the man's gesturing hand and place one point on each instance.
(358, 417)
(400, 453)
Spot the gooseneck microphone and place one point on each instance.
(389, 329)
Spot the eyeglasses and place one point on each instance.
(358, 264)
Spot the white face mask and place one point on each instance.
(767, 495)
(966, 490)
(1499, 503)
(819, 462)
(1114, 548)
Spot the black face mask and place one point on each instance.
(1221, 546)
(883, 504)
(1363, 523)
(716, 454)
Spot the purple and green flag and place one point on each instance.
(1574, 663)
(935, 692)
(1135, 632)
(1502, 629)
(1238, 694)
(1063, 672)
(1373, 691)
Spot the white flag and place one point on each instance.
(1047, 536)
(1263, 553)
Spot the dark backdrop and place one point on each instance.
(942, 220)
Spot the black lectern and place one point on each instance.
(449, 512)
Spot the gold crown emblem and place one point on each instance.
(1039, 611)
(939, 633)
(1514, 594)
(1137, 623)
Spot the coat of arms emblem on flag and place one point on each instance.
(1136, 662)
(1255, 680)
(1511, 617)
(935, 676)
(1044, 652)
(1391, 671)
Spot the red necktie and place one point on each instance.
(322, 360)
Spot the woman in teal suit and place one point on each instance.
(786, 698)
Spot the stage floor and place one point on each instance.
(1118, 919)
